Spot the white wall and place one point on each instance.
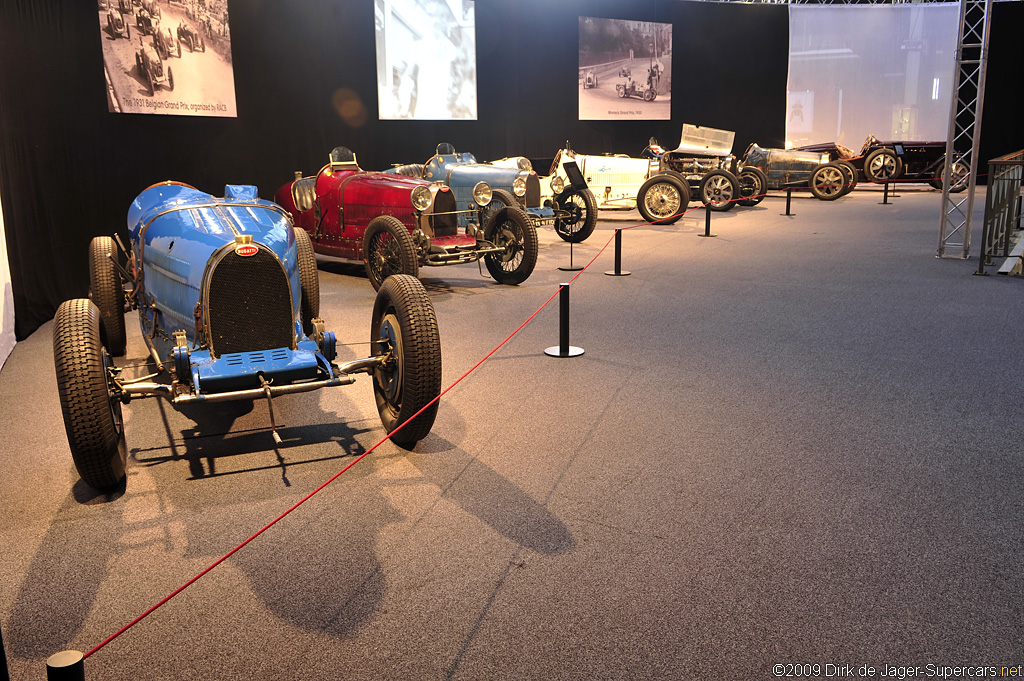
(7, 299)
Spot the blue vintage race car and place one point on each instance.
(572, 211)
(228, 297)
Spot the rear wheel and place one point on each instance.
(309, 280)
(827, 182)
(753, 186)
(850, 174)
(92, 418)
(663, 199)
(388, 249)
(719, 189)
(582, 209)
(404, 329)
(106, 290)
(881, 165)
(960, 175)
(509, 228)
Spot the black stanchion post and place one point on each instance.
(67, 665)
(789, 200)
(617, 272)
(571, 268)
(707, 221)
(563, 349)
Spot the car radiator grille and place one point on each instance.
(444, 221)
(532, 191)
(249, 305)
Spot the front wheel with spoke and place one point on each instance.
(719, 190)
(663, 199)
(404, 331)
(511, 230)
(92, 416)
(388, 249)
(828, 182)
(582, 209)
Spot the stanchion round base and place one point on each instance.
(556, 351)
(571, 268)
(707, 235)
(621, 273)
(67, 665)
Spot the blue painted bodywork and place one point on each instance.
(461, 172)
(178, 235)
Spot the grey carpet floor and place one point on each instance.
(795, 442)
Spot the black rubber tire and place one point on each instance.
(828, 181)
(961, 176)
(649, 95)
(583, 207)
(850, 171)
(309, 280)
(881, 165)
(388, 249)
(753, 186)
(719, 190)
(92, 420)
(511, 229)
(403, 313)
(170, 78)
(500, 199)
(663, 199)
(106, 290)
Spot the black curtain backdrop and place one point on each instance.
(69, 169)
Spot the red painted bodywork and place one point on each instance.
(349, 200)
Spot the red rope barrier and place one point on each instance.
(359, 458)
(334, 477)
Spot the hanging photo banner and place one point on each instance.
(426, 59)
(167, 57)
(625, 70)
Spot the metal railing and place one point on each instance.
(1002, 207)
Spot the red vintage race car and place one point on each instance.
(883, 161)
(395, 224)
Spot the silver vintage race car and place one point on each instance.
(660, 183)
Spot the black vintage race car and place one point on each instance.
(191, 37)
(885, 161)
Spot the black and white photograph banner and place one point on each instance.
(167, 57)
(426, 59)
(625, 70)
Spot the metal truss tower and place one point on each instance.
(965, 125)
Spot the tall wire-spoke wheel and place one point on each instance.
(753, 186)
(388, 249)
(106, 290)
(582, 209)
(663, 199)
(92, 416)
(827, 182)
(500, 199)
(719, 190)
(404, 331)
(510, 230)
(309, 280)
(881, 165)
